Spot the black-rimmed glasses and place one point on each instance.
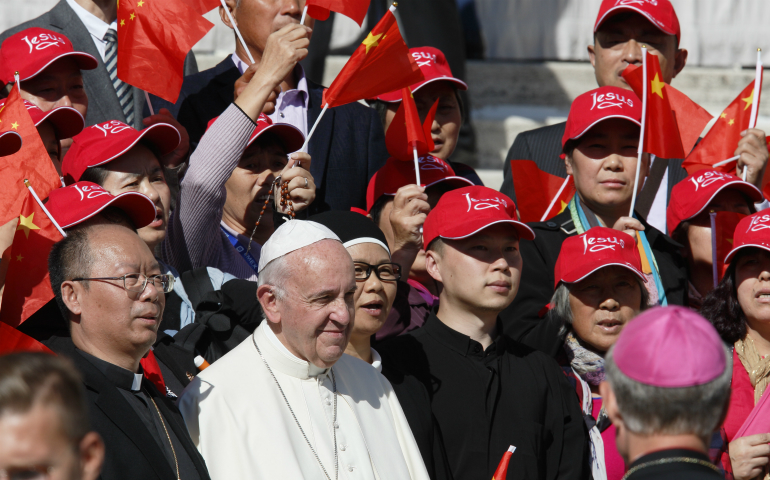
(387, 272)
(137, 282)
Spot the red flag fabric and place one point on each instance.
(27, 284)
(154, 37)
(12, 340)
(720, 142)
(661, 132)
(31, 162)
(381, 64)
(725, 223)
(353, 9)
(405, 130)
(691, 118)
(203, 6)
(502, 467)
(152, 372)
(536, 189)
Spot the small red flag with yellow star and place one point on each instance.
(12, 340)
(539, 195)
(27, 284)
(720, 142)
(381, 64)
(31, 162)
(353, 9)
(502, 468)
(154, 38)
(405, 132)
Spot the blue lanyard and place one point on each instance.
(242, 250)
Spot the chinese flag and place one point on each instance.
(379, 65)
(405, 132)
(725, 223)
(353, 9)
(154, 37)
(203, 6)
(721, 141)
(691, 118)
(661, 133)
(12, 340)
(27, 284)
(536, 189)
(152, 372)
(31, 162)
(502, 467)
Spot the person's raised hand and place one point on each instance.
(181, 152)
(410, 208)
(752, 149)
(301, 185)
(749, 456)
(629, 225)
(243, 82)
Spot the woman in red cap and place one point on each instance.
(599, 288)
(739, 308)
(689, 222)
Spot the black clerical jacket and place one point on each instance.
(483, 401)
(674, 464)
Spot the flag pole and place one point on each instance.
(37, 199)
(556, 197)
(416, 165)
(755, 103)
(18, 83)
(149, 104)
(304, 14)
(640, 151)
(725, 162)
(317, 121)
(714, 272)
(237, 31)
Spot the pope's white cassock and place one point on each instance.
(242, 426)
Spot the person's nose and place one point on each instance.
(373, 283)
(292, 7)
(149, 190)
(632, 52)
(765, 275)
(613, 163)
(610, 304)
(340, 311)
(64, 101)
(265, 178)
(500, 264)
(151, 293)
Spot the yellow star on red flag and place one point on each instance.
(732, 121)
(372, 41)
(122, 23)
(132, 16)
(26, 224)
(15, 125)
(657, 86)
(140, 3)
(749, 100)
(724, 115)
(19, 258)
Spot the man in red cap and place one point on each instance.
(667, 390)
(621, 29)
(485, 391)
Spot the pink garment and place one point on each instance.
(616, 468)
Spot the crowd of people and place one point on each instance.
(231, 301)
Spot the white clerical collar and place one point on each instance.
(281, 359)
(137, 385)
(376, 361)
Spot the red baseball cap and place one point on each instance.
(693, 194)
(291, 135)
(659, 12)
(600, 104)
(466, 211)
(10, 143)
(434, 67)
(752, 231)
(599, 247)
(80, 201)
(396, 173)
(32, 50)
(103, 143)
(67, 121)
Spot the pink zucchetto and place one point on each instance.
(670, 347)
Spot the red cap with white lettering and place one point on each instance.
(104, 142)
(80, 201)
(291, 136)
(693, 194)
(32, 50)
(396, 174)
(599, 247)
(434, 67)
(10, 143)
(67, 121)
(659, 12)
(598, 105)
(466, 211)
(752, 231)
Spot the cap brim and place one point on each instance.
(735, 250)
(395, 97)
(572, 277)
(10, 143)
(646, 15)
(752, 191)
(457, 182)
(291, 136)
(67, 121)
(162, 135)
(585, 130)
(136, 205)
(522, 229)
(83, 60)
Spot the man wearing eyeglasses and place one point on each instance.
(110, 288)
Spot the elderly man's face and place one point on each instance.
(113, 321)
(257, 19)
(316, 314)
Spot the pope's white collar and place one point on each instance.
(281, 359)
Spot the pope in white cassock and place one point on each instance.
(286, 403)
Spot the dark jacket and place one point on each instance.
(131, 451)
(103, 103)
(347, 148)
(521, 319)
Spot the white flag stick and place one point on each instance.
(317, 121)
(725, 162)
(18, 83)
(237, 32)
(640, 151)
(713, 216)
(757, 90)
(416, 165)
(37, 199)
(149, 103)
(304, 14)
(556, 197)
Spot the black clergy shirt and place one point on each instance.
(673, 464)
(483, 401)
(130, 385)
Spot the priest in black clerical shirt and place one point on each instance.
(109, 286)
(486, 392)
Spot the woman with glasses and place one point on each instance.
(376, 278)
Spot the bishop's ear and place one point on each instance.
(268, 296)
(70, 292)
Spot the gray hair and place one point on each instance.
(561, 312)
(275, 274)
(651, 410)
